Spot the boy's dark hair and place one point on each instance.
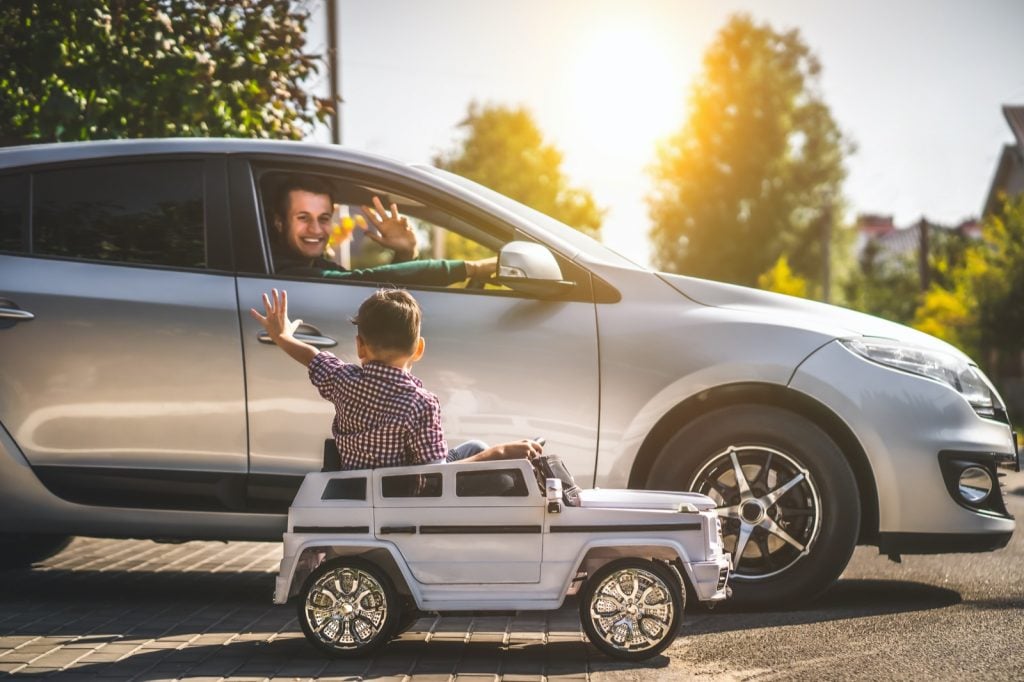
(389, 320)
(307, 183)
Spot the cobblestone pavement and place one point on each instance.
(127, 609)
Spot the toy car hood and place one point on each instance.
(645, 499)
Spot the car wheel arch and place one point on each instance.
(732, 395)
(309, 561)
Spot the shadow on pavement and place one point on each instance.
(846, 599)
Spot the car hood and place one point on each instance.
(801, 312)
(600, 498)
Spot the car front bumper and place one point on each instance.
(903, 422)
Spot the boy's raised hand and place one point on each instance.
(276, 320)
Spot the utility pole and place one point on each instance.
(924, 272)
(826, 249)
(334, 68)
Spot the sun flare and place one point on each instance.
(625, 90)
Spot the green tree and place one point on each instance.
(94, 69)
(889, 288)
(503, 149)
(757, 170)
(982, 307)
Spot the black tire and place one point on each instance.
(814, 524)
(637, 626)
(21, 550)
(350, 626)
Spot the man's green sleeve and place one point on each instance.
(438, 273)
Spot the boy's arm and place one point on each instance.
(281, 329)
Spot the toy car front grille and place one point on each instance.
(723, 576)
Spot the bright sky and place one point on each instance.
(917, 84)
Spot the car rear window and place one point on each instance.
(13, 212)
(140, 213)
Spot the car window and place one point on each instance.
(345, 489)
(411, 485)
(491, 483)
(440, 234)
(13, 212)
(139, 213)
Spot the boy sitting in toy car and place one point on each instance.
(383, 415)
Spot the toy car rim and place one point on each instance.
(769, 506)
(632, 610)
(346, 609)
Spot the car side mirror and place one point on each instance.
(530, 268)
(553, 492)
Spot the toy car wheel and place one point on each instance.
(348, 608)
(786, 496)
(631, 609)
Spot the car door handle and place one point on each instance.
(318, 340)
(393, 530)
(16, 314)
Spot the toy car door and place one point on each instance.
(462, 524)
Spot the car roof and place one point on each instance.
(59, 152)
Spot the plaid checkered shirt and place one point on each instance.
(383, 415)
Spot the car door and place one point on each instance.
(122, 381)
(463, 523)
(504, 366)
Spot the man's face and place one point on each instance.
(308, 223)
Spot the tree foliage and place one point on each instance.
(781, 279)
(94, 69)
(756, 171)
(503, 149)
(981, 310)
(889, 288)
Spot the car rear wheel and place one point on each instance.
(786, 495)
(348, 608)
(631, 609)
(21, 550)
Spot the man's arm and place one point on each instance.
(281, 329)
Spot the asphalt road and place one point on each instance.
(138, 610)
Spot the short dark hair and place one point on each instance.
(313, 184)
(389, 320)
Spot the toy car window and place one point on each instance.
(13, 212)
(141, 213)
(491, 483)
(411, 485)
(345, 489)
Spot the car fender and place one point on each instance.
(658, 548)
(288, 585)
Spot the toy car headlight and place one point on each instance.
(949, 369)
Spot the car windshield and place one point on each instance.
(584, 244)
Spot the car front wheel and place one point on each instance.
(785, 493)
(631, 609)
(21, 550)
(348, 608)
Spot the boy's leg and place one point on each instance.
(467, 449)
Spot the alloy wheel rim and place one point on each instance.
(632, 610)
(769, 506)
(346, 608)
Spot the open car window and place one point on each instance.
(440, 234)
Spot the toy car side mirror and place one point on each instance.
(530, 268)
(553, 491)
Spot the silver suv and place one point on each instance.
(138, 398)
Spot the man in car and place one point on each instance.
(301, 226)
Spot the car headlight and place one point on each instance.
(965, 378)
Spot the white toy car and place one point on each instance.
(366, 551)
